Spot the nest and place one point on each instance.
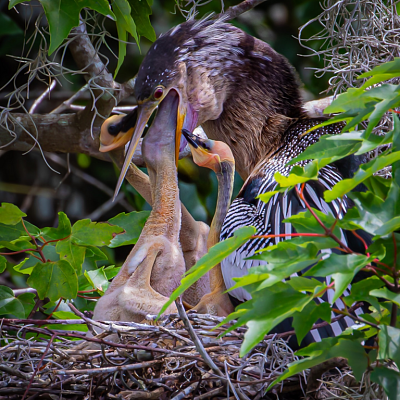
(164, 359)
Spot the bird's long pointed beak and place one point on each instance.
(208, 153)
(144, 113)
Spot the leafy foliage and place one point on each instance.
(61, 262)
(376, 210)
(131, 17)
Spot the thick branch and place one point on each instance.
(235, 11)
(56, 133)
(87, 59)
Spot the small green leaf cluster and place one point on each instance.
(61, 263)
(277, 296)
(130, 16)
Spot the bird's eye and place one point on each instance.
(158, 93)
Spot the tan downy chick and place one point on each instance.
(155, 266)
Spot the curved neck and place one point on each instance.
(225, 188)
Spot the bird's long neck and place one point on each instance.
(225, 188)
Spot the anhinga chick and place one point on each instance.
(217, 156)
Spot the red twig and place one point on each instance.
(17, 252)
(322, 291)
(55, 240)
(287, 234)
(327, 231)
(55, 309)
(362, 240)
(39, 250)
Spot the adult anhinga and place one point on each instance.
(245, 94)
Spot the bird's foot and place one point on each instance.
(215, 303)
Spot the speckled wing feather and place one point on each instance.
(267, 218)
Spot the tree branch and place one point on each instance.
(235, 11)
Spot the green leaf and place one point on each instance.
(10, 214)
(382, 72)
(389, 343)
(298, 175)
(312, 312)
(378, 185)
(304, 222)
(385, 293)
(328, 348)
(132, 223)
(72, 253)
(27, 265)
(266, 197)
(390, 257)
(266, 309)
(13, 3)
(125, 25)
(85, 232)
(388, 227)
(3, 264)
(111, 271)
(343, 268)
(283, 260)
(63, 15)
(16, 245)
(97, 279)
(303, 284)
(360, 291)
(364, 172)
(141, 11)
(214, 256)
(328, 151)
(28, 301)
(9, 304)
(62, 231)
(389, 379)
(54, 280)
(95, 253)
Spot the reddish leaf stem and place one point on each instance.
(362, 240)
(55, 309)
(54, 240)
(39, 250)
(327, 231)
(17, 252)
(287, 234)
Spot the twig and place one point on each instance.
(199, 346)
(42, 96)
(107, 370)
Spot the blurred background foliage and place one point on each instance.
(85, 192)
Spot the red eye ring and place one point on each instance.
(158, 93)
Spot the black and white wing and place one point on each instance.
(268, 219)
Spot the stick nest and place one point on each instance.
(157, 360)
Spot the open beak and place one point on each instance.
(208, 153)
(201, 151)
(145, 111)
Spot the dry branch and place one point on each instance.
(152, 364)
